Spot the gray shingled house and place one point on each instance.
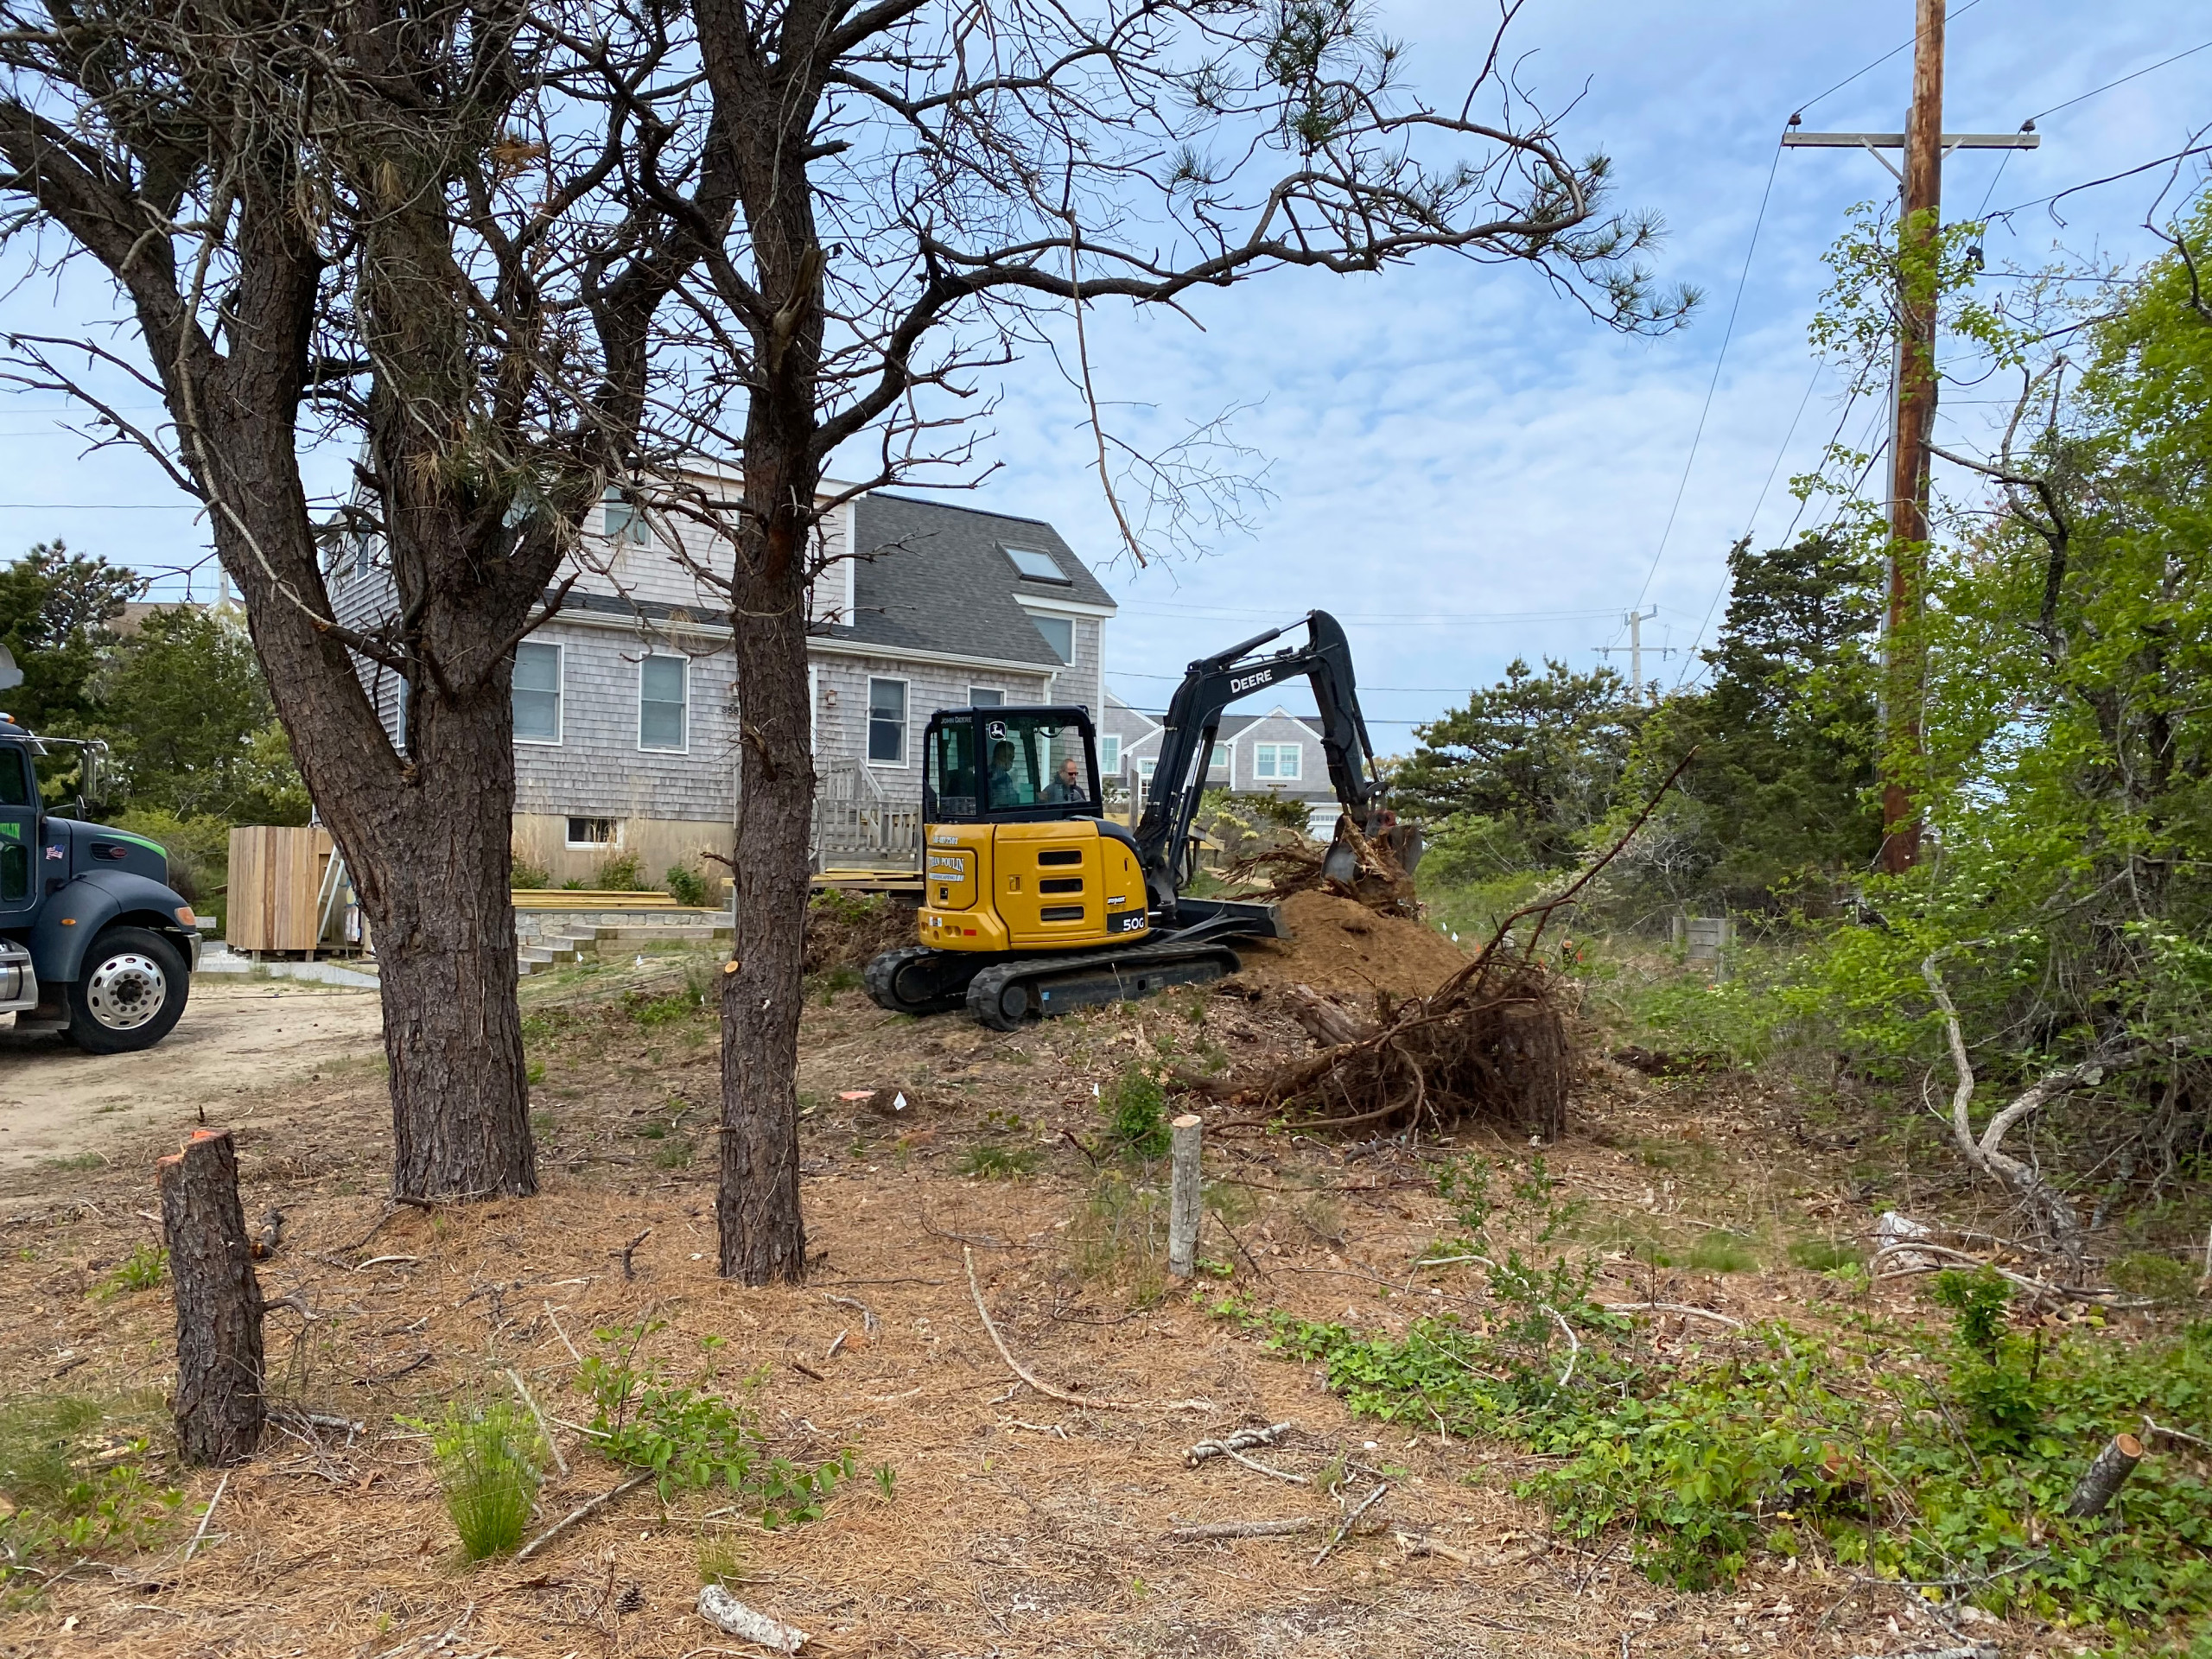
(1272, 753)
(624, 701)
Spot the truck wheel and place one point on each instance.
(129, 993)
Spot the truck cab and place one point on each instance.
(94, 943)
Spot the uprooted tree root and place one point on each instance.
(1381, 883)
(1490, 1045)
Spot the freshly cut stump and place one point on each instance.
(219, 1407)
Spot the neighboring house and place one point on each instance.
(625, 701)
(1275, 754)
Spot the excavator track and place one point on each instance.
(1007, 994)
(918, 980)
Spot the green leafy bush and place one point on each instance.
(1136, 1110)
(618, 873)
(692, 1438)
(686, 885)
(76, 1479)
(992, 1162)
(143, 1269)
(523, 876)
(490, 1461)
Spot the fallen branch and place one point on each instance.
(1350, 1521)
(1419, 1543)
(581, 1512)
(1573, 1344)
(1985, 1152)
(732, 1616)
(1213, 1531)
(558, 1332)
(1920, 1247)
(869, 1323)
(2150, 1428)
(1672, 1307)
(1259, 1468)
(220, 1486)
(1047, 1388)
(1243, 1440)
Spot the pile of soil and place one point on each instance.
(1339, 944)
(850, 930)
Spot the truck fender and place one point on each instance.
(68, 921)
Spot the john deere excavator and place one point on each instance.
(1035, 903)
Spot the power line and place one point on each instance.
(1424, 690)
(102, 506)
(2110, 178)
(1713, 385)
(1367, 616)
(2006, 160)
(1690, 656)
(1959, 11)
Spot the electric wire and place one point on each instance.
(1751, 523)
(1713, 385)
(1955, 12)
(2005, 159)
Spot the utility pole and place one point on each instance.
(1636, 620)
(1919, 224)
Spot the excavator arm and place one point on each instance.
(1194, 718)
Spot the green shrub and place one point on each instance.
(143, 1269)
(686, 885)
(691, 1438)
(2159, 1277)
(76, 1478)
(1719, 1252)
(1136, 1108)
(1823, 1255)
(490, 1460)
(991, 1162)
(523, 876)
(618, 873)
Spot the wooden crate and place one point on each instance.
(277, 879)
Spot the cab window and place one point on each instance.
(952, 767)
(1033, 760)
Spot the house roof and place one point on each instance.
(931, 576)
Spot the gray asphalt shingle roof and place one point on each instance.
(936, 577)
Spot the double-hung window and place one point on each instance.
(886, 723)
(537, 692)
(986, 696)
(1109, 753)
(1218, 762)
(1277, 763)
(663, 702)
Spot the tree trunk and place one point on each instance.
(2105, 1476)
(219, 1408)
(757, 1207)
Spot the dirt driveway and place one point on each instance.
(235, 1039)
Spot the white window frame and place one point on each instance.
(905, 761)
(1110, 741)
(560, 693)
(670, 656)
(613, 846)
(1275, 754)
(999, 692)
(1227, 748)
(1036, 612)
(635, 530)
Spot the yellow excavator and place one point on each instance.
(1035, 903)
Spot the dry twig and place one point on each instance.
(1047, 1388)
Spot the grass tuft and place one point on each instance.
(490, 1461)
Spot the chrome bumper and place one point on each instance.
(18, 984)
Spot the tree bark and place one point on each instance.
(763, 1236)
(2101, 1483)
(219, 1407)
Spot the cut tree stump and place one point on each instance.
(220, 1406)
(2106, 1477)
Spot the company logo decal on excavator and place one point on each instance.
(1266, 677)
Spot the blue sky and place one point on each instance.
(1466, 468)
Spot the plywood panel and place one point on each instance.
(276, 874)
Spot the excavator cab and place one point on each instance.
(1018, 854)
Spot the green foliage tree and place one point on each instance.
(54, 607)
(1538, 753)
(1775, 812)
(190, 720)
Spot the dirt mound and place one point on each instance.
(849, 930)
(1339, 944)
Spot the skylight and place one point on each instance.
(1038, 565)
